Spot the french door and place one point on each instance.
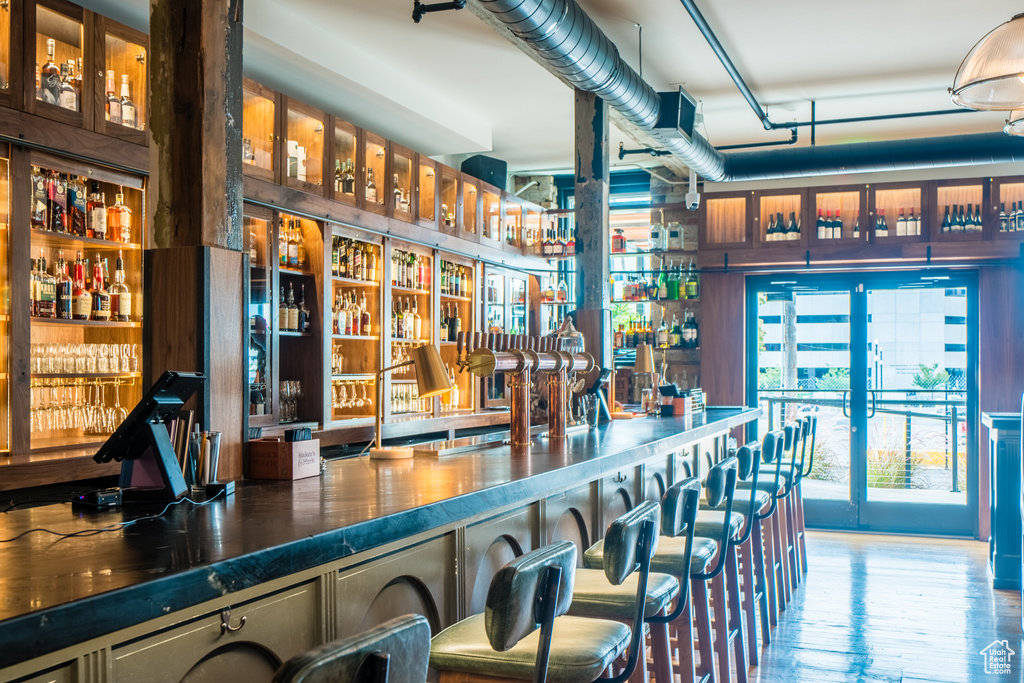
(887, 363)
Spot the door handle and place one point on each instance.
(846, 413)
(872, 404)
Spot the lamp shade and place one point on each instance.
(644, 359)
(431, 375)
(991, 77)
(1015, 123)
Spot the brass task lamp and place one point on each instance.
(431, 380)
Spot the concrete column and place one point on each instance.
(195, 275)
(593, 245)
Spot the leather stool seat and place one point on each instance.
(593, 596)
(581, 649)
(709, 523)
(669, 556)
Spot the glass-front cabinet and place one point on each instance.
(514, 211)
(409, 299)
(492, 217)
(897, 213)
(779, 219)
(258, 231)
(259, 112)
(356, 274)
(304, 147)
(838, 215)
(1007, 214)
(456, 279)
(85, 356)
(469, 219)
(346, 137)
(958, 208)
(374, 184)
(427, 194)
(496, 316)
(450, 213)
(401, 199)
(125, 92)
(725, 221)
(5, 49)
(59, 39)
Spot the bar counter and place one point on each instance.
(59, 592)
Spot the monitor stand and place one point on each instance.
(155, 475)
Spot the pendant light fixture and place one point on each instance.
(1015, 123)
(991, 77)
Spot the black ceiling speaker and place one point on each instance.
(487, 169)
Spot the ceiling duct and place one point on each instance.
(569, 41)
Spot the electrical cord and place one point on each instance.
(116, 526)
(38, 501)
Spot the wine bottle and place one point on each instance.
(977, 218)
(837, 227)
(901, 225)
(947, 222)
(793, 229)
(881, 227)
(820, 225)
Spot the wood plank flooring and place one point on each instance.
(893, 609)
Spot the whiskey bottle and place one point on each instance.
(399, 325)
(39, 217)
(113, 104)
(337, 175)
(128, 112)
(444, 333)
(1003, 222)
(663, 332)
(675, 335)
(65, 289)
(76, 203)
(293, 245)
(371, 187)
(81, 299)
(68, 96)
(417, 321)
(396, 191)
(454, 325)
(303, 313)
(282, 244)
(49, 77)
(253, 260)
(334, 256)
(57, 201)
(300, 246)
(100, 296)
(570, 244)
(120, 294)
(47, 290)
(293, 310)
(119, 220)
(348, 179)
(34, 289)
(692, 283)
(355, 315)
(78, 78)
(365, 324)
(282, 313)
(358, 268)
(371, 264)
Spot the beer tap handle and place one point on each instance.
(531, 343)
(492, 342)
(505, 342)
(460, 342)
(476, 342)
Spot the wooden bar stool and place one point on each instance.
(505, 644)
(615, 591)
(674, 557)
(394, 652)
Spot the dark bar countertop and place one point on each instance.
(55, 592)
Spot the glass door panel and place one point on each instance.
(261, 298)
(495, 315)
(517, 306)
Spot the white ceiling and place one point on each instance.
(451, 86)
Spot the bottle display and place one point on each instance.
(128, 111)
(113, 102)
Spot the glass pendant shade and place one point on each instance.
(1015, 123)
(991, 77)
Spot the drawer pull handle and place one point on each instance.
(225, 622)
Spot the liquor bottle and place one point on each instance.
(417, 321)
(1017, 223)
(1003, 220)
(46, 301)
(49, 77)
(128, 111)
(769, 233)
(675, 335)
(64, 295)
(77, 207)
(947, 223)
(691, 333)
(57, 201)
(348, 178)
(81, 300)
(692, 284)
(119, 220)
(561, 246)
(396, 192)
(371, 264)
(293, 246)
(78, 78)
(355, 315)
(253, 255)
(300, 246)
(638, 334)
(100, 296)
(881, 227)
(548, 246)
(293, 310)
(913, 223)
(365, 321)
(793, 228)
(113, 104)
(618, 242)
(901, 225)
(649, 333)
(68, 96)
(371, 187)
(282, 313)
(454, 325)
(399, 320)
(820, 225)
(837, 227)
(34, 289)
(961, 222)
(303, 321)
(445, 334)
(663, 331)
(335, 258)
(570, 244)
(120, 294)
(337, 175)
(977, 218)
(619, 336)
(39, 217)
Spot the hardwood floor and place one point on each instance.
(893, 608)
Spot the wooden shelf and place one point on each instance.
(353, 376)
(369, 337)
(52, 443)
(453, 297)
(83, 323)
(86, 375)
(655, 301)
(59, 239)
(285, 333)
(294, 271)
(410, 341)
(354, 282)
(407, 290)
(445, 342)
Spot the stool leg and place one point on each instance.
(661, 653)
(778, 576)
(721, 610)
(640, 672)
(768, 544)
(791, 542)
(783, 556)
(760, 583)
(735, 623)
(702, 619)
(801, 529)
(749, 606)
(682, 628)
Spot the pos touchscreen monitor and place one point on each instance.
(149, 468)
